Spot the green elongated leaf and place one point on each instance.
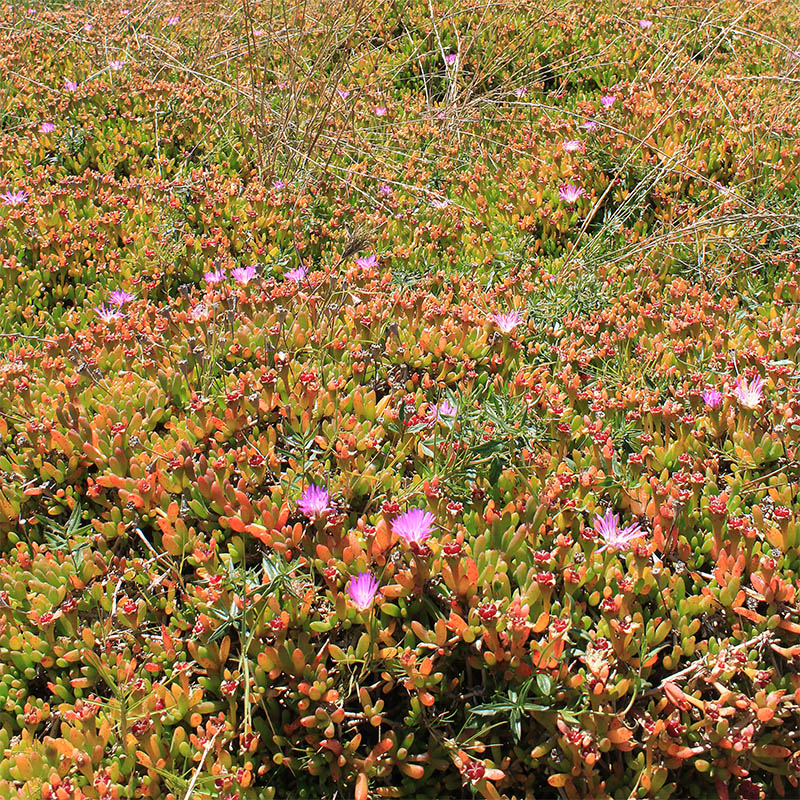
(545, 683)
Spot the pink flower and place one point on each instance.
(362, 590)
(119, 297)
(343, 93)
(615, 538)
(296, 275)
(47, 127)
(571, 145)
(414, 526)
(107, 314)
(314, 502)
(215, 276)
(380, 111)
(243, 275)
(590, 125)
(712, 398)
(444, 409)
(569, 193)
(508, 321)
(520, 92)
(607, 100)
(14, 198)
(116, 65)
(70, 86)
(384, 190)
(749, 394)
(437, 203)
(367, 262)
(644, 24)
(451, 59)
(172, 20)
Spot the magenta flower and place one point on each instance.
(116, 65)
(749, 394)
(278, 185)
(172, 20)
(615, 538)
(243, 275)
(215, 276)
(47, 127)
(607, 100)
(414, 526)
(520, 92)
(590, 125)
(712, 398)
(451, 59)
(443, 410)
(380, 111)
(508, 321)
(569, 193)
(119, 297)
(14, 198)
(107, 314)
(70, 86)
(367, 262)
(314, 502)
(644, 24)
(296, 275)
(362, 590)
(571, 145)
(343, 93)
(384, 190)
(436, 203)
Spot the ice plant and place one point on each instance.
(243, 275)
(17, 198)
(749, 393)
(380, 111)
(314, 502)
(520, 92)
(107, 314)
(362, 590)
(444, 409)
(47, 127)
(343, 93)
(119, 297)
(590, 125)
(70, 86)
(116, 64)
(712, 397)
(607, 100)
(507, 321)
(214, 276)
(414, 526)
(615, 537)
(296, 275)
(451, 59)
(570, 193)
(367, 262)
(645, 24)
(571, 145)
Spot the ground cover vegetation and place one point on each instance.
(399, 399)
